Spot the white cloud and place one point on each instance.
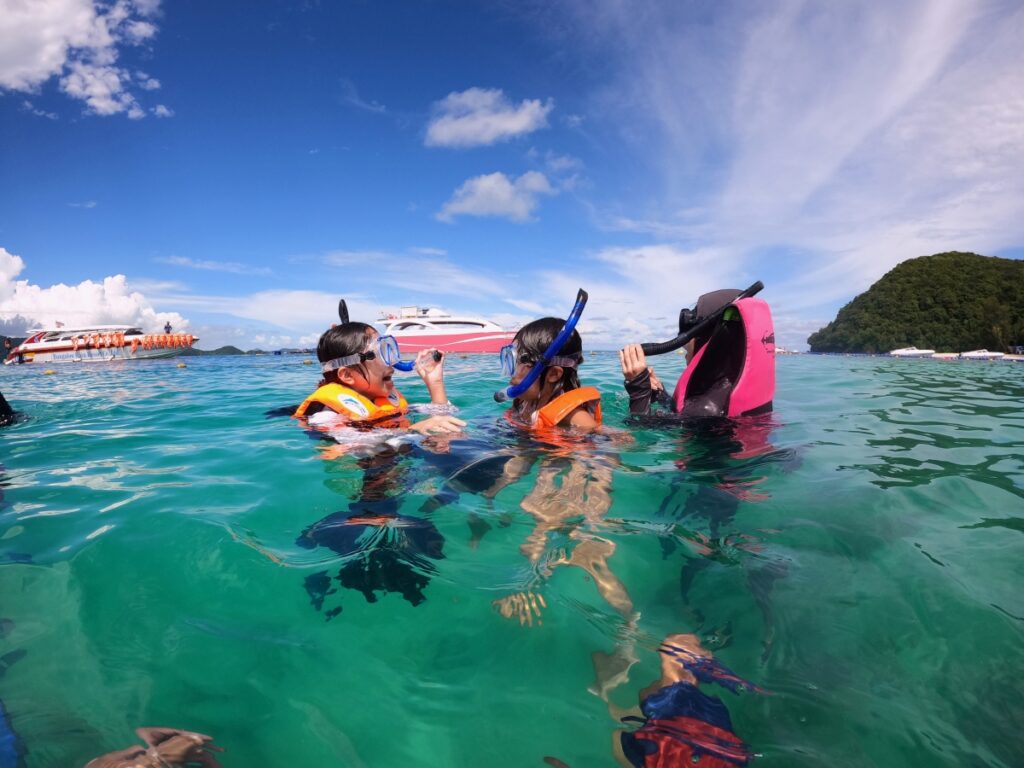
(481, 116)
(562, 163)
(79, 42)
(854, 135)
(23, 305)
(146, 82)
(647, 285)
(298, 311)
(102, 88)
(232, 267)
(28, 106)
(494, 194)
(527, 306)
(161, 111)
(430, 275)
(88, 204)
(350, 96)
(139, 31)
(154, 287)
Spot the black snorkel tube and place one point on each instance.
(553, 348)
(401, 365)
(663, 347)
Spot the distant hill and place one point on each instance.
(950, 302)
(193, 352)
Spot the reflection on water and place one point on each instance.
(503, 600)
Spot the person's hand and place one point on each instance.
(429, 369)
(523, 606)
(440, 424)
(432, 373)
(633, 361)
(655, 381)
(177, 747)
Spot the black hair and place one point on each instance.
(534, 338)
(341, 341)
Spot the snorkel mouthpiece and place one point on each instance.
(553, 349)
(409, 365)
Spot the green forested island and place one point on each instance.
(950, 302)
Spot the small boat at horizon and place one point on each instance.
(419, 328)
(912, 352)
(96, 344)
(981, 354)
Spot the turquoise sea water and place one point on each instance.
(859, 555)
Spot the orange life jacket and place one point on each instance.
(552, 414)
(350, 403)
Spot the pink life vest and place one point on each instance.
(733, 374)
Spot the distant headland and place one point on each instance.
(950, 301)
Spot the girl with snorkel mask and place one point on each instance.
(357, 365)
(572, 492)
(544, 386)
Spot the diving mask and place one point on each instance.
(509, 358)
(386, 350)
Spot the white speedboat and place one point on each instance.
(912, 352)
(96, 344)
(418, 328)
(981, 354)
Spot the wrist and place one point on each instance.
(438, 395)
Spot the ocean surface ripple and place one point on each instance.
(174, 553)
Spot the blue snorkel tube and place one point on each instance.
(570, 324)
(401, 365)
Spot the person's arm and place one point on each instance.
(583, 420)
(637, 379)
(660, 396)
(442, 423)
(644, 388)
(513, 469)
(432, 373)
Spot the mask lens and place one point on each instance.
(507, 359)
(388, 346)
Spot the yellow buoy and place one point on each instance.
(49, 372)
(307, 362)
(182, 365)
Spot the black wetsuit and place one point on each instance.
(6, 412)
(642, 396)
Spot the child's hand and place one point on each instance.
(432, 373)
(429, 369)
(442, 423)
(633, 361)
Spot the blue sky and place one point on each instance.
(236, 167)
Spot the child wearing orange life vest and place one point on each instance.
(572, 482)
(556, 398)
(357, 381)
